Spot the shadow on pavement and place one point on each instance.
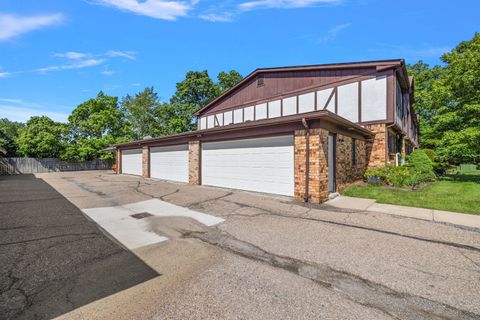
(53, 259)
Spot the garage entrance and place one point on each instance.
(169, 163)
(261, 165)
(132, 162)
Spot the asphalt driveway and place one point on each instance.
(53, 259)
(273, 258)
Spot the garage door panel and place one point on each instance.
(132, 162)
(169, 163)
(263, 165)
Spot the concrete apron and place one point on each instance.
(459, 219)
(131, 224)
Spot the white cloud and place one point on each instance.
(132, 55)
(424, 50)
(23, 113)
(259, 4)
(158, 9)
(217, 17)
(137, 84)
(11, 100)
(12, 25)
(77, 64)
(4, 74)
(72, 55)
(333, 33)
(108, 73)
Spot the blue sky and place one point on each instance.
(55, 54)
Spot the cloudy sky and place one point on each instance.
(54, 54)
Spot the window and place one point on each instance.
(354, 152)
(260, 81)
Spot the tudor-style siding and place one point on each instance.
(360, 97)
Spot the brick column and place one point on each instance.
(146, 162)
(377, 149)
(318, 165)
(118, 161)
(194, 162)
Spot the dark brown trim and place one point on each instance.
(281, 107)
(392, 63)
(315, 103)
(329, 99)
(298, 103)
(280, 124)
(307, 158)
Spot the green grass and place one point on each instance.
(457, 192)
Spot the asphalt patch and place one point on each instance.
(52, 258)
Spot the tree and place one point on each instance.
(94, 125)
(142, 114)
(448, 98)
(41, 138)
(226, 80)
(192, 93)
(9, 132)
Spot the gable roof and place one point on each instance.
(379, 64)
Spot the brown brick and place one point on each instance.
(194, 164)
(146, 162)
(377, 148)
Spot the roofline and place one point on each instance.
(314, 115)
(372, 63)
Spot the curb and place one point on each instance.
(370, 205)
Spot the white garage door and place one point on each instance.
(263, 165)
(132, 162)
(169, 163)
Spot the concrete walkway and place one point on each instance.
(350, 203)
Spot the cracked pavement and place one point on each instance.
(274, 258)
(53, 259)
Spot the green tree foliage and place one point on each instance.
(195, 91)
(41, 138)
(448, 100)
(9, 132)
(226, 80)
(93, 126)
(420, 166)
(142, 113)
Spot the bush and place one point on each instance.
(420, 167)
(430, 154)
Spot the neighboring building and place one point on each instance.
(301, 131)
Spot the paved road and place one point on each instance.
(277, 259)
(53, 259)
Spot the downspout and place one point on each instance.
(307, 158)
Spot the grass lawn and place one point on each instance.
(459, 192)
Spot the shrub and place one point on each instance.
(420, 167)
(430, 154)
(377, 172)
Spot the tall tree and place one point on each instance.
(226, 80)
(192, 93)
(95, 125)
(41, 138)
(142, 114)
(9, 132)
(449, 100)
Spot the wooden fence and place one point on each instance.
(10, 166)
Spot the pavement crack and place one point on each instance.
(168, 194)
(48, 238)
(196, 204)
(267, 212)
(399, 305)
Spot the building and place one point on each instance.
(303, 131)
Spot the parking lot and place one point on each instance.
(270, 258)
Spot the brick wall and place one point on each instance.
(194, 165)
(347, 172)
(146, 162)
(377, 149)
(118, 161)
(318, 170)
